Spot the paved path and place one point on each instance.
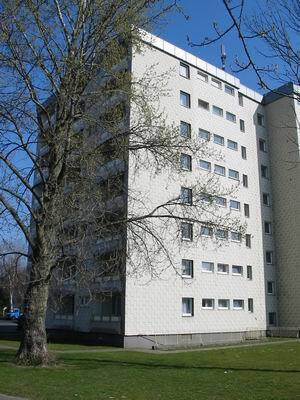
(4, 397)
(168, 351)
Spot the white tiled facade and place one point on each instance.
(240, 299)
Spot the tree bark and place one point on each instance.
(33, 348)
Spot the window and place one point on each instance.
(206, 231)
(245, 181)
(229, 90)
(238, 304)
(186, 162)
(269, 257)
(241, 99)
(216, 83)
(221, 201)
(271, 287)
(186, 196)
(217, 111)
(237, 270)
(219, 170)
(233, 174)
(247, 210)
(187, 307)
(266, 199)
(185, 99)
(223, 269)
(249, 272)
(184, 70)
(230, 117)
(260, 120)
(244, 153)
(242, 125)
(207, 267)
(235, 205)
(262, 145)
(264, 171)
(250, 305)
(186, 231)
(187, 268)
(185, 129)
(272, 318)
(223, 304)
(203, 134)
(203, 104)
(232, 145)
(221, 234)
(84, 300)
(205, 197)
(208, 304)
(219, 140)
(236, 236)
(205, 165)
(268, 228)
(248, 240)
(202, 76)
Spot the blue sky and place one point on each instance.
(202, 14)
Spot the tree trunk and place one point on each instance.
(33, 348)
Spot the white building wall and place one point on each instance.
(153, 306)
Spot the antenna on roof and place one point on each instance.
(223, 57)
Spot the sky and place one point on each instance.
(202, 14)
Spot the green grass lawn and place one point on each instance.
(266, 372)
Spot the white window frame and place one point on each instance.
(220, 267)
(222, 307)
(186, 96)
(233, 239)
(216, 83)
(223, 199)
(207, 271)
(242, 125)
(237, 273)
(229, 90)
(204, 162)
(187, 157)
(241, 307)
(221, 237)
(190, 267)
(190, 230)
(219, 140)
(202, 76)
(210, 234)
(211, 307)
(186, 68)
(183, 197)
(190, 306)
(233, 203)
(189, 129)
(249, 272)
(204, 105)
(230, 117)
(222, 170)
(218, 111)
(207, 133)
(235, 145)
(236, 176)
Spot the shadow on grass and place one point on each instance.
(87, 364)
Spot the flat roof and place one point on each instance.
(197, 62)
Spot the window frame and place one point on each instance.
(247, 210)
(208, 271)
(186, 96)
(189, 129)
(189, 197)
(190, 302)
(190, 267)
(229, 89)
(216, 83)
(204, 105)
(222, 139)
(206, 162)
(206, 132)
(189, 225)
(242, 307)
(226, 272)
(187, 69)
(224, 307)
(237, 203)
(203, 75)
(223, 169)
(212, 307)
(242, 125)
(189, 163)
(249, 272)
(231, 177)
(218, 111)
(235, 147)
(231, 117)
(237, 273)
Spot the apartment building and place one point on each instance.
(222, 286)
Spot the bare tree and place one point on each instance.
(66, 95)
(270, 30)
